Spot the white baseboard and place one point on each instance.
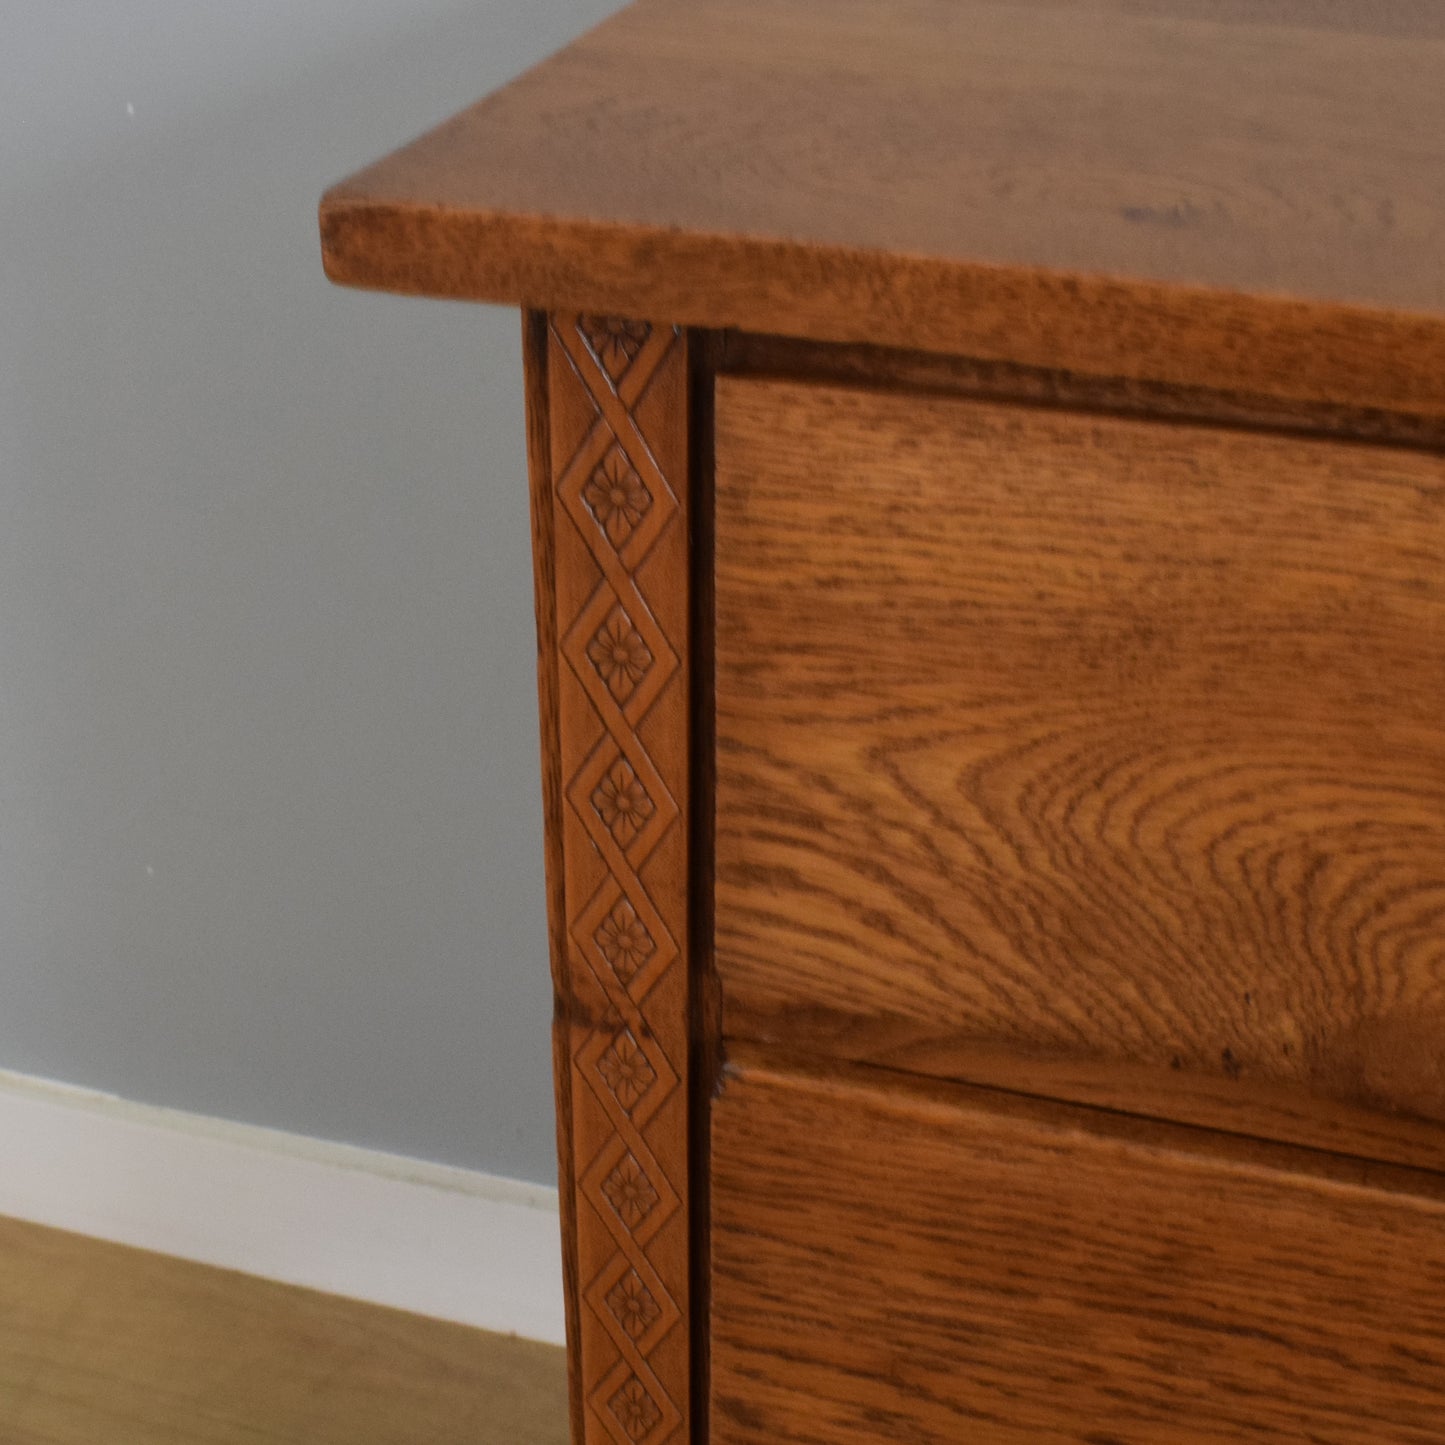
(439, 1241)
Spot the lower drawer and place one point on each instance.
(941, 1265)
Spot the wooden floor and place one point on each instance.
(103, 1345)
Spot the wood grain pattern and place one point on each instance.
(1227, 1101)
(103, 1345)
(535, 347)
(896, 368)
(936, 1265)
(1052, 744)
(1193, 191)
(611, 494)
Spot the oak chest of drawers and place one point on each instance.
(988, 475)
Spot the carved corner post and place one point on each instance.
(608, 441)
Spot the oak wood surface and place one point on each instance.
(1086, 756)
(608, 406)
(536, 341)
(1197, 191)
(892, 368)
(938, 1265)
(103, 1345)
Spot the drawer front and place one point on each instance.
(937, 1267)
(1056, 746)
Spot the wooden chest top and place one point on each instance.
(1208, 192)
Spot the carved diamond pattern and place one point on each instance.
(619, 654)
(622, 802)
(629, 1192)
(627, 1071)
(632, 1305)
(635, 1409)
(610, 781)
(582, 648)
(616, 496)
(624, 941)
(602, 929)
(615, 342)
(619, 491)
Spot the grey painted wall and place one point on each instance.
(270, 838)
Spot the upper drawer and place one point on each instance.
(1094, 755)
